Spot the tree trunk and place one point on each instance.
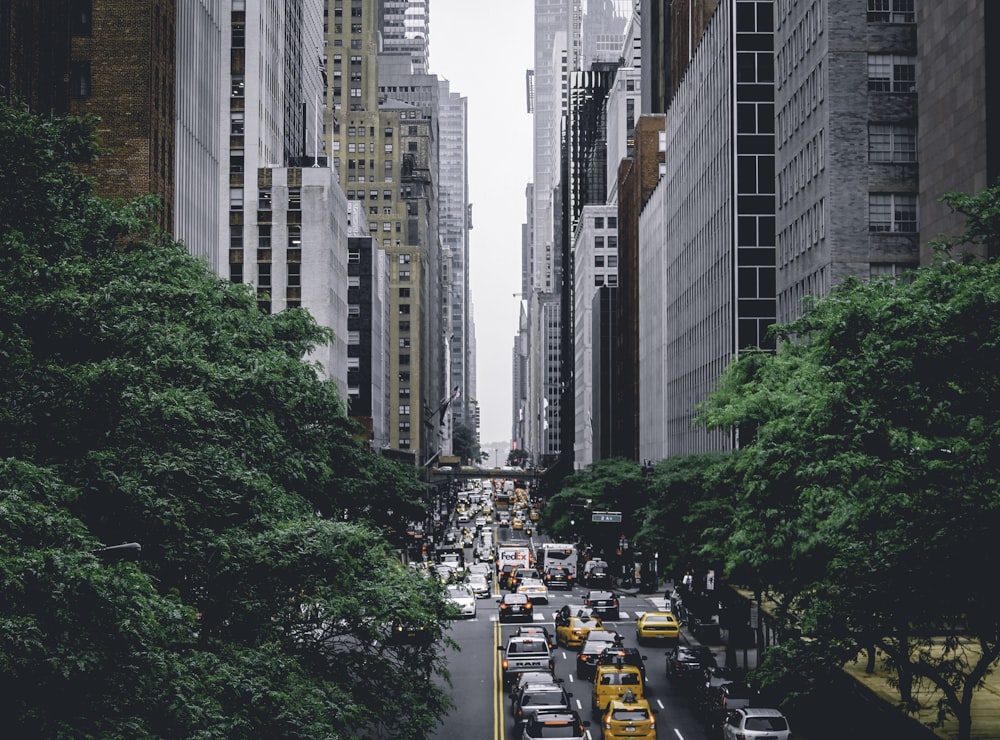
(870, 664)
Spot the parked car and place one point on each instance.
(721, 690)
(686, 664)
(755, 723)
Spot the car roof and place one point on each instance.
(760, 712)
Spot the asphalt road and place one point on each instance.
(482, 707)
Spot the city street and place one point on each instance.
(483, 707)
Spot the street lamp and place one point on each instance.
(114, 553)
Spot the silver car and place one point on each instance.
(462, 597)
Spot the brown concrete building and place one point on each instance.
(122, 70)
(637, 178)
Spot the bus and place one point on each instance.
(551, 554)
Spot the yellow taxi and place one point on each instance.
(629, 716)
(657, 627)
(574, 630)
(518, 523)
(533, 515)
(612, 681)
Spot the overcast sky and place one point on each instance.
(484, 49)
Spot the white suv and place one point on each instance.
(748, 723)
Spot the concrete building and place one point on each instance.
(202, 134)
(367, 328)
(595, 263)
(35, 53)
(637, 177)
(846, 134)
(706, 235)
(405, 29)
(123, 69)
(958, 141)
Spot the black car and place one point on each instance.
(604, 604)
(552, 723)
(625, 655)
(590, 651)
(536, 698)
(558, 577)
(721, 691)
(597, 577)
(686, 664)
(401, 633)
(515, 607)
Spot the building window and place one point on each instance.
(236, 237)
(404, 343)
(404, 259)
(386, 195)
(892, 142)
(892, 212)
(891, 11)
(404, 360)
(235, 199)
(294, 237)
(236, 161)
(79, 79)
(388, 148)
(599, 222)
(887, 73)
(404, 276)
(236, 122)
(612, 222)
(237, 87)
(598, 242)
(354, 257)
(294, 199)
(404, 326)
(386, 226)
(263, 237)
(82, 18)
(599, 260)
(404, 309)
(404, 292)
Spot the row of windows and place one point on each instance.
(802, 168)
(803, 233)
(610, 241)
(612, 260)
(800, 105)
(599, 222)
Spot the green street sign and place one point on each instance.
(612, 517)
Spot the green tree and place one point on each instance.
(464, 443)
(144, 399)
(605, 485)
(868, 494)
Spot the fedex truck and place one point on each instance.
(512, 553)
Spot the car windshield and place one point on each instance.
(766, 724)
(531, 646)
(629, 715)
(555, 729)
(650, 618)
(620, 679)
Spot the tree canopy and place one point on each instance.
(868, 487)
(146, 400)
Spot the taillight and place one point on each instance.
(504, 664)
(552, 665)
(528, 605)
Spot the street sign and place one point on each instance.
(613, 517)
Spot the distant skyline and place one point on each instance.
(484, 51)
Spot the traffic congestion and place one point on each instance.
(552, 645)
